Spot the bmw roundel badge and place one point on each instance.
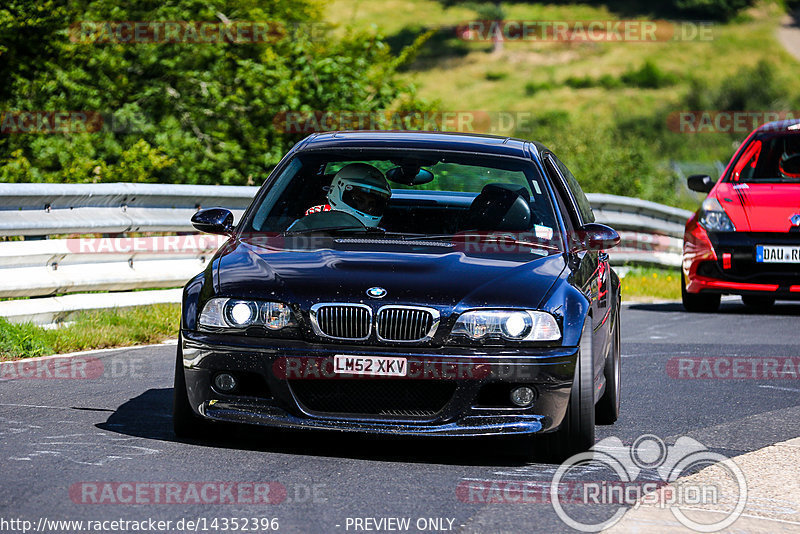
(376, 292)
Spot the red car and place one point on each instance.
(745, 238)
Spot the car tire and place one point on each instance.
(576, 432)
(698, 302)
(757, 302)
(185, 423)
(607, 408)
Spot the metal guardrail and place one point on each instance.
(47, 209)
(651, 233)
(37, 267)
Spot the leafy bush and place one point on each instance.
(607, 81)
(179, 112)
(648, 76)
(531, 88)
(712, 9)
(604, 159)
(494, 76)
(582, 82)
(750, 89)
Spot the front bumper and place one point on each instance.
(729, 265)
(466, 381)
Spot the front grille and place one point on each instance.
(404, 323)
(342, 321)
(375, 397)
(744, 268)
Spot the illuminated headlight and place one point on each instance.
(236, 313)
(513, 325)
(714, 218)
(240, 313)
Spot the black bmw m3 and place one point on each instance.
(407, 283)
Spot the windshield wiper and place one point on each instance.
(498, 237)
(334, 230)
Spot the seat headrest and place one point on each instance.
(500, 207)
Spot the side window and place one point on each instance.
(583, 203)
(567, 212)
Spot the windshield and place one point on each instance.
(770, 159)
(419, 195)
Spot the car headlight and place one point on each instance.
(512, 325)
(237, 313)
(714, 218)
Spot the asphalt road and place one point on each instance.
(66, 442)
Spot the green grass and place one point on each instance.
(603, 107)
(91, 330)
(651, 284)
(464, 75)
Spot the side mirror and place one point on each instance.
(214, 221)
(599, 236)
(702, 183)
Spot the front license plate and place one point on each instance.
(369, 365)
(777, 254)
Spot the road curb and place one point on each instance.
(168, 342)
(773, 496)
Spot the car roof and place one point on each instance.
(463, 142)
(778, 126)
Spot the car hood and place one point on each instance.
(448, 279)
(760, 207)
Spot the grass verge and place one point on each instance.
(651, 284)
(91, 330)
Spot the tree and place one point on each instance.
(177, 111)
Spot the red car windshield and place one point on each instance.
(770, 159)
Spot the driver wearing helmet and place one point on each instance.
(360, 190)
(789, 163)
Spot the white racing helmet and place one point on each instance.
(362, 191)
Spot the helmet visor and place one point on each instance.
(366, 200)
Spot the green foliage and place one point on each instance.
(647, 283)
(580, 82)
(648, 76)
(606, 160)
(754, 88)
(91, 330)
(531, 88)
(494, 76)
(21, 340)
(179, 112)
(712, 9)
